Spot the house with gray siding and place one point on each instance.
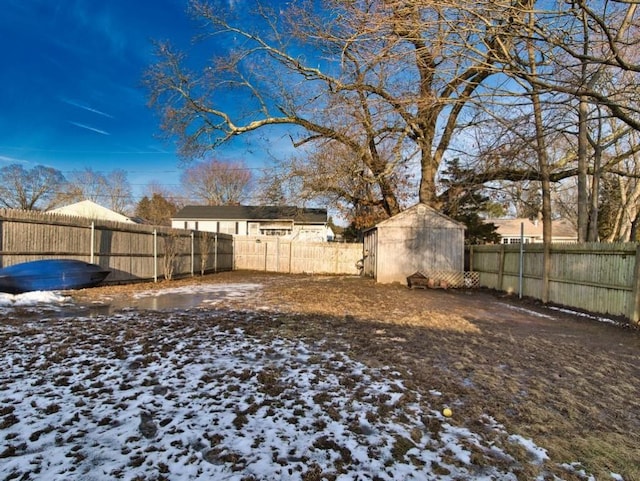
(291, 222)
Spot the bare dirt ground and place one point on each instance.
(571, 384)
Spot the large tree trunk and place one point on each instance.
(429, 168)
(543, 163)
(583, 113)
(592, 234)
(389, 199)
(583, 197)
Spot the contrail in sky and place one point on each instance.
(86, 107)
(93, 129)
(13, 160)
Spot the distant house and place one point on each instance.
(509, 229)
(284, 221)
(90, 210)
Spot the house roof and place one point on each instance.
(248, 212)
(91, 210)
(560, 228)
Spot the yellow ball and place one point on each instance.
(447, 412)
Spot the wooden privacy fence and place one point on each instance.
(274, 254)
(596, 277)
(130, 251)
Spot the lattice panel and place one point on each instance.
(444, 279)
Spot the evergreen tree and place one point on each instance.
(464, 201)
(156, 210)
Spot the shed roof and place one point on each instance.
(421, 209)
(248, 212)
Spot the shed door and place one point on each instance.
(370, 243)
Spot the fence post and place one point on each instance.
(155, 255)
(634, 311)
(93, 241)
(500, 267)
(192, 253)
(546, 271)
(265, 254)
(521, 261)
(234, 262)
(215, 253)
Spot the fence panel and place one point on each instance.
(134, 251)
(272, 254)
(596, 277)
(130, 251)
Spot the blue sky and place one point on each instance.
(71, 93)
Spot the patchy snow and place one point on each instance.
(32, 298)
(539, 455)
(226, 290)
(192, 395)
(563, 310)
(527, 311)
(576, 468)
(584, 314)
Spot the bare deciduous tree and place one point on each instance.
(111, 190)
(272, 187)
(154, 187)
(118, 191)
(587, 50)
(380, 83)
(171, 246)
(333, 175)
(568, 57)
(605, 44)
(619, 194)
(217, 183)
(206, 243)
(361, 74)
(30, 189)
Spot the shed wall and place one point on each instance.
(417, 240)
(401, 252)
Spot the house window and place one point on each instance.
(196, 225)
(186, 225)
(228, 227)
(511, 240)
(276, 228)
(275, 232)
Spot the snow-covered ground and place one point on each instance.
(195, 394)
